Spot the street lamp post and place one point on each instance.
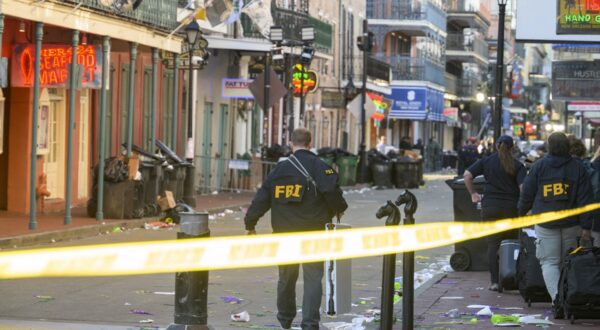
(364, 44)
(308, 36)
(192, 36)
(499, 70)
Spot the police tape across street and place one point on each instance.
(253, 251)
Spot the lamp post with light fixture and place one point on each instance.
(308, 36)
(499, 70)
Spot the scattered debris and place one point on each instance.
(45, 298)
(500, 320)
(117, 229)
(232, 300)
(156, 225)
(452, 298)
(228, 211)
(127, 304)
(147, 321)
(533, 319)
(486, 311)
(215, 192)
(241, 317)
(211, 217)
(139, 312)
(453, 313)
(170, 293)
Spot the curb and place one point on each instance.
(427, 285)
(67, 234)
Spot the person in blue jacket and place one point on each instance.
(303, 194)
(557, 182)
(503, 177)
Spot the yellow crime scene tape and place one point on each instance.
(253, 251)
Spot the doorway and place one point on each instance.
(54, 162)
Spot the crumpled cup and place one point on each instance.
(241, 317)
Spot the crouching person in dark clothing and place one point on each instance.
(303, 195)
(503, 176)
(557, 182)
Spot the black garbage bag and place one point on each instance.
(326, 152)
(376, 157)
(115, 170)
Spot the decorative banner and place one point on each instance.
(451, 114)
(259, 12)
(578, 17)
(236, 88)
(310, 83)
(55, 62)
(516, 82)
(380, 106)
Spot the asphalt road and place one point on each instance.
(107, 302)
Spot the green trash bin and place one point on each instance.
(328, 160)
(347, 167)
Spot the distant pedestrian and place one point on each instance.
(504, 176)
(405, 143)
(419, 146)
(467, 155)
(557, 182)
(303, 195)
(381, 145)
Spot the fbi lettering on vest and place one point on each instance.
(288, 192)
(555, 191)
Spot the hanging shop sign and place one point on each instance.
(578, 80)
(55, 61)
(381, 107)
(332, 99)
(578, 17)
(451, 114)
(236, 88)
(310, 82)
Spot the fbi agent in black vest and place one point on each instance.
(303, 195)
(557, 182)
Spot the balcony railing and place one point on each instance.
(451, 83)
(292, 23)
(468, 43)
(376, 68)
(407, 10)
(415, 68)
(157, 14)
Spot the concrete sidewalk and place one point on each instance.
(461, 289)
(15, 231)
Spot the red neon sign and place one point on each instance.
(592, 5)
(55, 61)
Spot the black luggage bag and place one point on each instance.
(529, 272)
(579, 286)
(508, 254)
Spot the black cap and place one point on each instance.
(506, 140)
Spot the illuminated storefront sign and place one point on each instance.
(310, 83)
(55, 61)
(578, 17)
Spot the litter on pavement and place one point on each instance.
(163, 293)
(147, 321)
(232, 299)
(241, 317)
(45, 298)
(139, 311)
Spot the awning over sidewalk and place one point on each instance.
(417, 103)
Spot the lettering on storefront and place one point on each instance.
(578, 17)
(55, 61)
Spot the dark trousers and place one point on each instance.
(311, 302)
(493, 241)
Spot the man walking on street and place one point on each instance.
(303, 195)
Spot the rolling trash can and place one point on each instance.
(382, 174)
(191, 288)
(470, 255)
(347, 167)
(406, 173)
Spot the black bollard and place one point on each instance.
(191, 288)
(389, 268)
(408, 263)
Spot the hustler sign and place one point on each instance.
(55, 61)
(578, 17)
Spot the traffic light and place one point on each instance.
(365, 43)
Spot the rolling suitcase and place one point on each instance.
(579, 286)
(508, 254)
(529, 272)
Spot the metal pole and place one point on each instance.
(175, 100)
(363, 147)
(72, 94)
(133, 59)
(265, 127)
(154, 98)
(566, 118)
(39, 33)
(188, 190)
(302, 100)
(1, 32)
(408, 280)
(102, 128)
(499, 73)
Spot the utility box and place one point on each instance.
(338, 280)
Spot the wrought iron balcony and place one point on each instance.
(376, 68)
(467, 48)
(292, 23)
(403, 10)
(466, 14)
(451, 84)
(415, 68)
(156, 14)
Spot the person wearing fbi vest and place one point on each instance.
(503, 178)
(557, 182)
(303, 195)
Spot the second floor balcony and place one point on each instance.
(463, 13)
(292, 23)
(464, 88)
(414, 18)
(415, 69)
(462, 47)
(156, 14)
(377, 69)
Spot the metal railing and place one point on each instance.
(408, 10)
(158, 14)
(451, 83)
(376, 68)
(293, 22)
(224, 174)
(468, 86)
(468, 43)
(415, 68)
